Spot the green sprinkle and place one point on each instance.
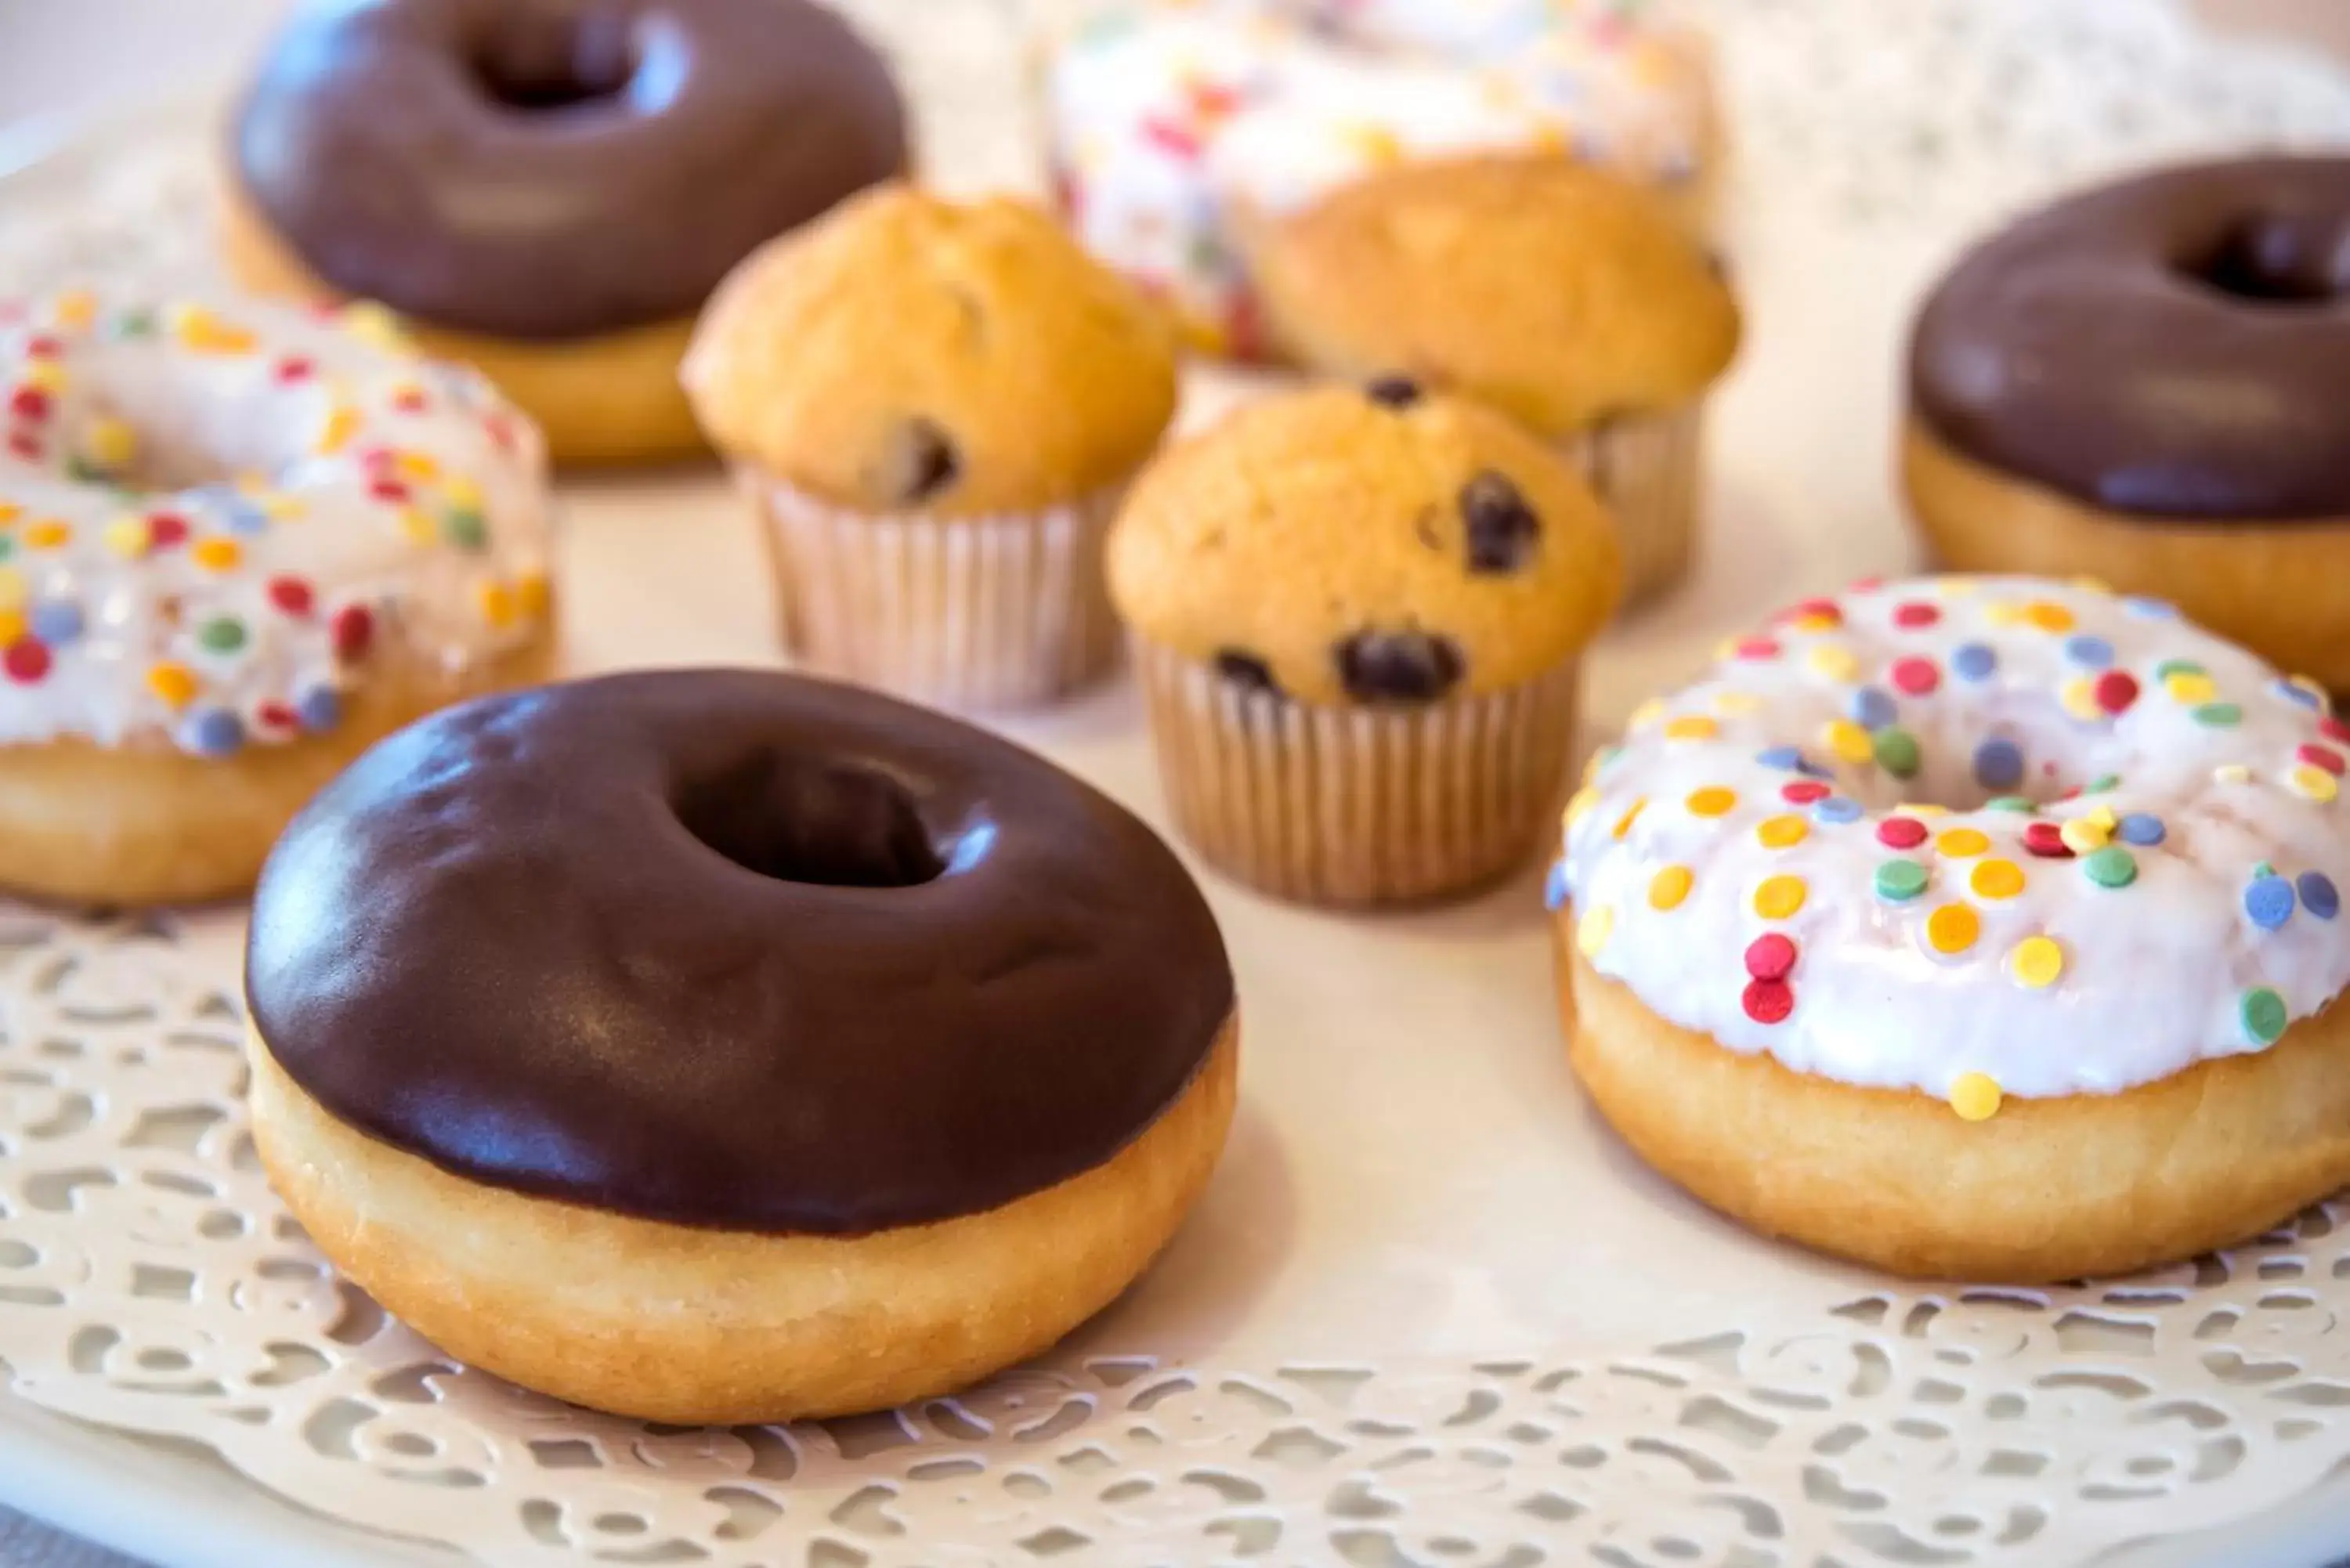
(2262, 1011)
(2112, 866)
(2262, 868)
(1897, 751)
(463, 527)
(223, 634)
(2023, 802)
(2220, 715)
(134, 324)
(1899, 881)
(2171, 667)
(7, 546)
(2101, 784)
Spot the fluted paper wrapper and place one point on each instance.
(1357, 806)
(1003, 612)
(1646, 469)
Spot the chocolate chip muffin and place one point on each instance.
(1564, 296)
(935, 407)
(1358, 615)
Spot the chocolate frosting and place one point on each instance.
(733, 948)
(550, 169)
(2175, 345)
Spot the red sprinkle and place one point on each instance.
(409, 400)
(29, 403)
(165, 529)
(1916, 614)
(294, 368)
(1824, 610)
(276, 715)
(291, 595)
(2334, 730)
(2116, 689)
(1168, 137)
(1756, 648)
(43, 346)
(1915, 676)
(1770, 955)
(2047, 839)
(26, 659)
(1866, 585)
(1901, 832)
(2325, 757)
(24, 445)
(353, 628)
(389, 490)
(1769, 1001)
(1803, 792)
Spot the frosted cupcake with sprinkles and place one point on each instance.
(238, 545)
(1984, 928)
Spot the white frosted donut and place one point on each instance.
(229, 531)
(1173, 131)
(2012, 853)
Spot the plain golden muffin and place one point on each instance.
(1555, 292)
(906, 352)
(1375, 547)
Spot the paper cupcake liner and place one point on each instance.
(1645, 467)
(1000, 611)
(1357, 806)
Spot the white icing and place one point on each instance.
(2155, 973)
(317, 450)
(1172, 129)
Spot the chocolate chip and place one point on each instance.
(1399, 666)
(920, 462)
(1503, 531)
(1246, 670)
(1392, 391)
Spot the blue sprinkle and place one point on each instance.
(215, 732)
(2319, 896)
(1555, 888)
(56, 621)
(1787, 759)
(1872, 708)
(1812, 770)
(245, 517)
(2269, 902)
(1998, 764)
(2142, 828)
(319, 708)
(1835, 808)
(2150, 609)
(1973, 661)
(2300, 695)
(2094, 652)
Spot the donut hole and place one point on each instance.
(2273, 260)
(542, 64)
(828, 823)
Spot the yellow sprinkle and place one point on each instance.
(1957, 588)
(1782, 832)
(1780, 896)
(1814, 621)
(12, 624)
(373, 325)
(2093, 586)
(1623, 828)
(127, 536)
(419, 466)
(1922, 808)
(109, 442)
(1975, 1096)
(462, 493)
(1996, 878)
(1833, 660)
(47, 534)
(1579, 804)
(2036, 961)
(1592, 932)
(2080, 700)
(1668, 886)
(2103, 816)
(1960, 843)
(77, 307)
(342, 423)
(2048, 615)
(418, 525)
(1646, 713)
(45, 375)
(174, 683)
(1953, 929)
(284, 508)
(497, 603)
(1374, 145)
(2082, 837)
(2315, 782)
(1712, 801)
(201, 332)
(13, 592)
(216, 553)
(1848, 740)
(2231, 773)
(1693, 727)
(9, 512)
(2189, 687)
(1736, 702)
(2006, 612)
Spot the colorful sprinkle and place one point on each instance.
(353, 630)
(1780, 896)
(1836, 809)
(2084, 836)
(2315, 782)
(27, 660)
(1915, 614)
(174, 684)
(2048, 615)
(2189, 687)
(1770, 955)
(2142, 828)
(1871, 709)
(1692, 727)
(2219, 715)
(1996, 880)
(1973, 661)
(2319, 896)
(2046, 840)
(1896, 752)
(1999, 763)
(319, 708)
(1898, 881)
(215, 732)
(1848, 740)
(1787, 759)
(2112, 866)
(1768, 1001)
(57, 622)
(1914, 676)
(1782, 832)
(1962, 842)
(2022, 803)
(1557, 889)
(2146, 608)
(2269, 901)
(2300, 691)
(2114, 691)
(1836, 663)
(1975, 1096)
(1953, 929)
(1593, 930)
(1901, 833)
(217, 554)
(2263, 1014)
(2321, 757)
(2090, 652)
(2036, 963)
(1669, 886)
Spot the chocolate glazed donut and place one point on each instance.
(732, 949)
(2175, 346)
(555, 169)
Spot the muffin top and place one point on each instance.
(1557, 293)
(1376, 547)
(906, 353)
